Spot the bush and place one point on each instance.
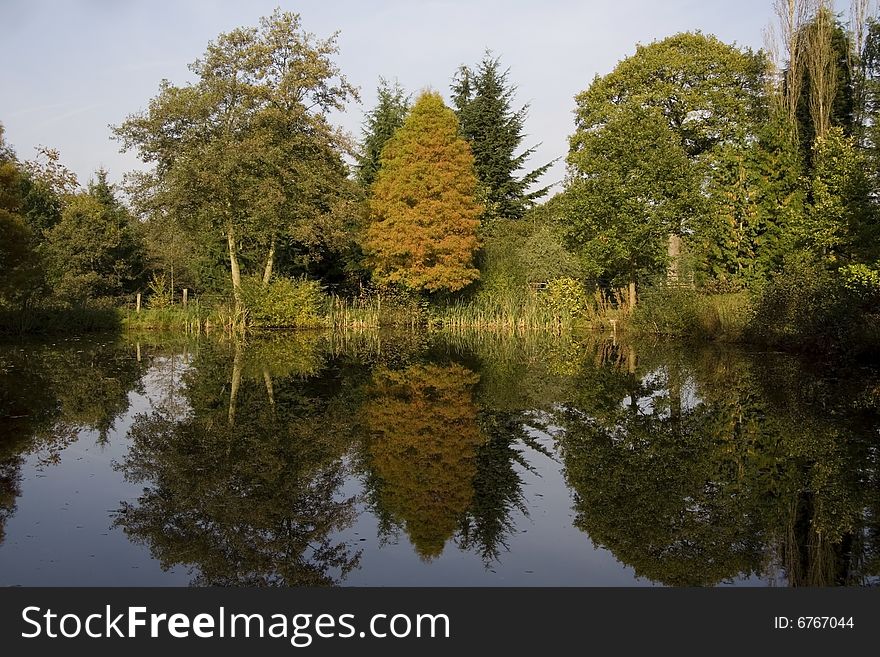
(668, 311)
(284, 302)
(683, 312)
(807, 306)
(566, 298)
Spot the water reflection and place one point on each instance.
(256, 463)
(244, 489)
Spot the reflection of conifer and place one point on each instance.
(423, 446)
(497, 486)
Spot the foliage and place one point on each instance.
(566, 298)
(806, 306)
(19, 271)
(283, 302)
(517, 255)
(630, 187)
(246, 152)
(839, 224)
(93, 251)
(380, 124)
(862, 280)
(681, 312)
(824, 31)
(423, 233)
(756, 198)
(708, 92)
(482, 99)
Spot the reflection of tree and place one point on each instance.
(50, 392)
(10, 475)
(706, 470)
(424, 438)
(497, 485)
(245, 487)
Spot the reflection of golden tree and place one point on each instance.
(423, 425)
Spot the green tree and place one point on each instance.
(483, 97)
(709, 94)
(246, 152)
(839, 224)
(94, 251)
(19, 267)
(630, 186)
(424, 211)
(756, 197)
(389, 114)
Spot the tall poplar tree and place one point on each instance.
(424, 209)
(483, 99)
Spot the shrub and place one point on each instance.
(667, 311)
(566, 298)
(807, 306)
(284, 302)
(683, 312)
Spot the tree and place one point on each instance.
(482, 99)
(246, 151)
(827, 97)
(94, 250)
(708, 93)
(840, 224)
(424, 211)
(756, 197)
(18, 261)
(392, 106)
(630, 184)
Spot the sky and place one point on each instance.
(72, 69)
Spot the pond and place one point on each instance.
(434, 460)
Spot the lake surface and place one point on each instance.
(314, 459)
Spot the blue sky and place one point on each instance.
(71, 69)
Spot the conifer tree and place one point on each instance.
(424, 209)
(380, 124)
(482, 99)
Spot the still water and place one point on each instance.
(314, 459)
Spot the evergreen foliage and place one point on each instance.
(483, 99)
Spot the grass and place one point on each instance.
(52, 321)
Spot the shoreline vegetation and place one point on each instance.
(676, 313)
(713, 193)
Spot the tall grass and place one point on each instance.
(78, 319)
(192, 318)
(553, 310)
(686, 313)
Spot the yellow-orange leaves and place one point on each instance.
(424, 209)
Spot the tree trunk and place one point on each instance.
(674, 251)
(270, 261)
(270, 389)
(233, 264)
(632, 294)
(236, 383)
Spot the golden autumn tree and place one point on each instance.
(423, 446)
(424, 209)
